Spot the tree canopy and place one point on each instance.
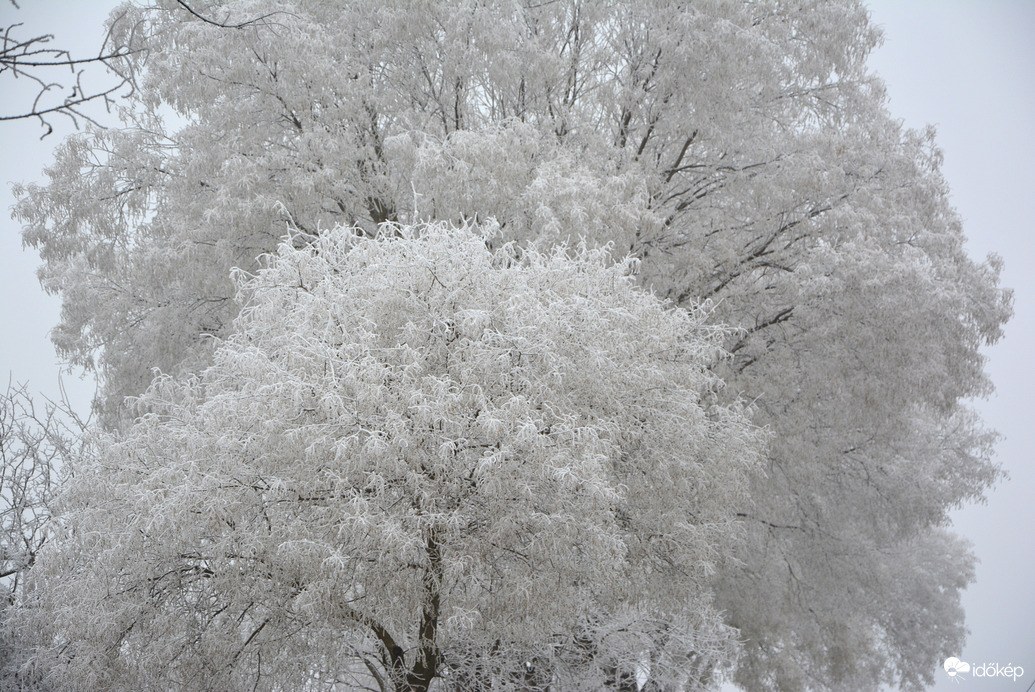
(413, 458)
(739, 151)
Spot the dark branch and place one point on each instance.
(224, 24)
(31, 59)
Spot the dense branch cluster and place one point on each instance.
(456, 461)
(739, 153)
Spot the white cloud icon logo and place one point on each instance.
(953, 666)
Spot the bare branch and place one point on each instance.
(33, 59)
(224, 24)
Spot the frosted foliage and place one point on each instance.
(738, 151)
(412, 458)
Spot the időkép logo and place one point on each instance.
(958, 669)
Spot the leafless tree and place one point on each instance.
(35, 440)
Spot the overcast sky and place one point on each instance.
(967, 67)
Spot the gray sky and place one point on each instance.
(967, 67)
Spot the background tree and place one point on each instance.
(413, 458)
(739, 150)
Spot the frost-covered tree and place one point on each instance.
(414, 458)
(36, 438)
(739, 150)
